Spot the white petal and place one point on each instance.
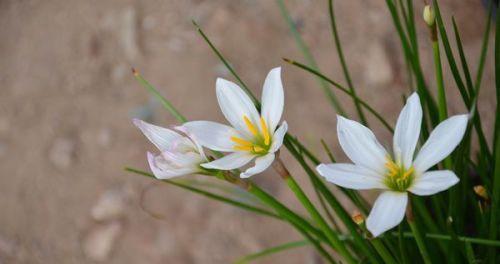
(278, 137)
(360, 145)
(161, 170)
(387, 212)
(235, 104)
(229, 162)
(407, 131)
(161, 137)
(273, 98)
(261, 164)
(350, 176)
(433, 182)
(442, 141)
(212, 135)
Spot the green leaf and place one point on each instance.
(272, 250)
(309, 57)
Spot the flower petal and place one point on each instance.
(235, 104)
(387, 212)
(350, 176)
(161, 137)
(160, 168)
(442, 141)
(278, 136)
(261, 164)
(212, 135)
(229, 162)
(433, 182)
(407, 131)
(360, 145)
(273, 98)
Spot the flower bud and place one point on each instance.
(429, 15)
(358, 218)
(481, 192)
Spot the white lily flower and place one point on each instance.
(252, 135)
(180, 154)
(401, 173)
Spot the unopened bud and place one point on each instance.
(481, 192)
(358, 218)
(429, 15)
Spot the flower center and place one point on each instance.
(398, 178)
(261, 141)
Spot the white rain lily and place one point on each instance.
(180, 154)
(401, 173)
(253, 135)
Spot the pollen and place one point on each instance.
(398, 177)
(259, 143)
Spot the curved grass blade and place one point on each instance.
(309, 57)
(272, 250)
(343, 89)
(226, 63)
(209, 194)
(343, 63)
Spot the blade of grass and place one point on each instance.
(226, 63)
(272, 250)
(334, 204)
(495, 206)
(209, 194)
(343, 89)
(158, 96)
(343, 62)
(449, 55)
(309, 57)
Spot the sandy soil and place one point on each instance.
(67, 98)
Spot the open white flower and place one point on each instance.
(374, 168)
(252, 135)
(179, 155)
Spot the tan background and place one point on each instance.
(67, 97)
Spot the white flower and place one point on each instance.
(252, 135)
(179, 155)
(374, 168)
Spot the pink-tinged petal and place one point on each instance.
(161, 169)
(351, 176)
(161, 137)
(433, 182)
(387, 212)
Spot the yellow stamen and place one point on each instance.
(251, 126)
(265, 131)
(244, 148)
(258, 149)
(408, 173)
(241, 142)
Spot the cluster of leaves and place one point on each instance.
(460, 225)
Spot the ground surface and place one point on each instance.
(67, 97)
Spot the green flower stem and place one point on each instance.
(443, 113)
(280, 168)
(382, 251)
(418, 235)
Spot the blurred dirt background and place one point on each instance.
(67, 98)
